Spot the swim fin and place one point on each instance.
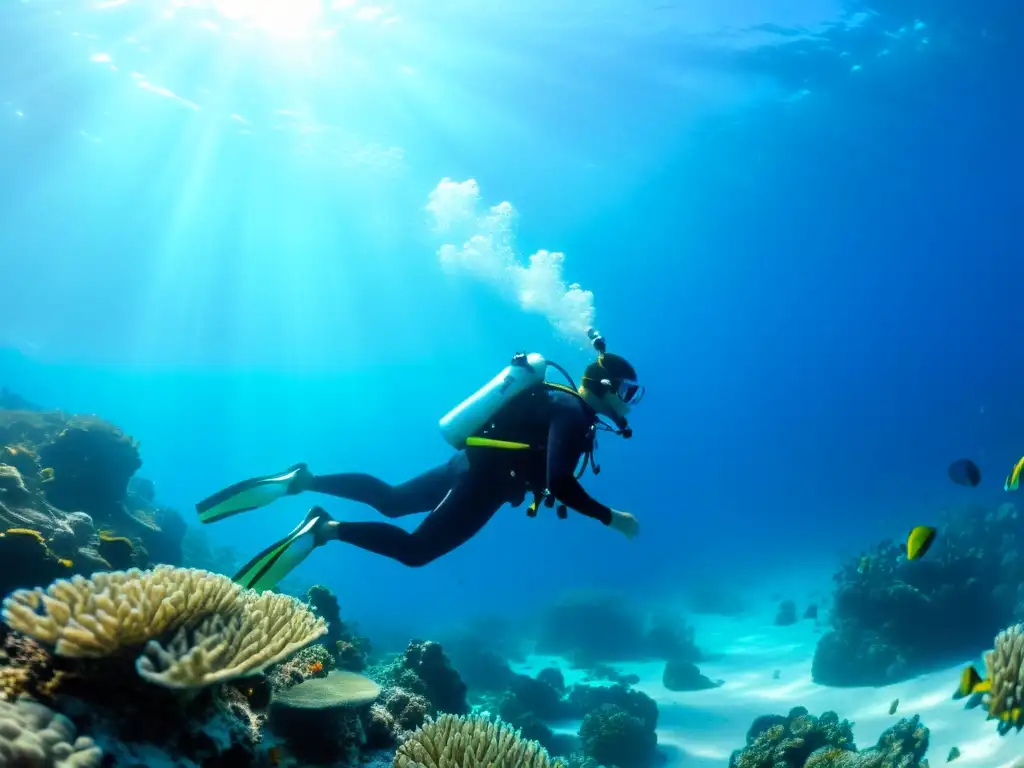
(276, 561)
(251, 494)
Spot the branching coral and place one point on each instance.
(1004, 672)
(454, 741)
(223, 631)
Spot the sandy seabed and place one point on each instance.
(701, 729)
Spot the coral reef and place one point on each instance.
(1004, 672)
(325, 718)
(801, 740)
(222, 631)
(786, 614)
(68, 477)
(612, 736)
(480, 667)
(311, 662)
(32, 734)
(33, 556)
(349, 649)
(685, 676)
(337, 689)
(532, 704)
(196, 696)
(528, 704)
(589, 628)
(424, 669)
(467, 742)
(893, 618)
(92, 462)
(407, 711)
(707, 597)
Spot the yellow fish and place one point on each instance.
(1013, 479)
(971, 683)
(919, 540)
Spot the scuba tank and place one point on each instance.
(522, 373)
(469, 416)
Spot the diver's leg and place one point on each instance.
(420, 494)
(461, 514)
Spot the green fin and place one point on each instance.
(486, 442)
(248, 495)
(275, 562)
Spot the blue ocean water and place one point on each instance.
(800, 221)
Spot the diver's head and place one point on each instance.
(611, 388)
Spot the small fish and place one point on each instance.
(964, 472)
(864, 565)
(1013, 479)
(919, 540)
(894, 706)
(954, 753)
(274, 755)
(971, 683)
(776, 674)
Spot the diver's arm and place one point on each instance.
(565, 438)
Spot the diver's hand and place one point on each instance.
(625, 523)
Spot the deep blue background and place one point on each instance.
(815, 269)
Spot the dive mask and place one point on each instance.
(628, 391)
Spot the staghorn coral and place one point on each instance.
(34, 735)
(223, 631)
(455, 741)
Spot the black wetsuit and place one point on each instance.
(463, 494)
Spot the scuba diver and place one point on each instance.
(519, 434)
